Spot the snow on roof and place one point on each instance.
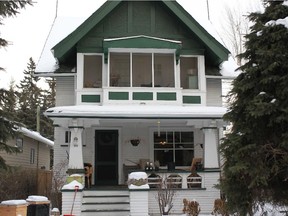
(35, 135)
(137, 111)
(60, 29)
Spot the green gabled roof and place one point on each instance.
(67, 44)
(211, 43)
(64, 46)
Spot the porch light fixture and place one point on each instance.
(75, 141)
(135, 142)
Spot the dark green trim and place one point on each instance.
(68, 44)
(126, 117)
(71, 190)
(142, 96)
(76, 127)
(118, 95)
(192, 99)
(90, 98)
(56, 125)
(203, 128)
(167, 96)
(212, 44)
(141, 41)
(193, 52)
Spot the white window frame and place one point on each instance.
(137, 50)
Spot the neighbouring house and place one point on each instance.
(137, 82)
(35, 150)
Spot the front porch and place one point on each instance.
(167, 136)
(116, 200)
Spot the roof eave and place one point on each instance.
(60, 49)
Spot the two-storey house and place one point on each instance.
(137, 81)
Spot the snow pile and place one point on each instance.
(73, 185)
(271, 210)
(34, 198)
(138, 177)
(14, 202)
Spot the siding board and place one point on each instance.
(214, 92)
(65, 91)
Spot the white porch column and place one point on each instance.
(75, 148)
(211, 140)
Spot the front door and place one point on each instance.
(106, 157)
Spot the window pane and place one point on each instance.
(184, 157)
(189, 72)
(174, 146)
(120, 69)
(92, 71)
(163, 156)
(164, 70)
(32, 156)
(142, 69)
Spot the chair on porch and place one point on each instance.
(196, 163)
(88, 174)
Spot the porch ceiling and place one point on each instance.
(136, 112)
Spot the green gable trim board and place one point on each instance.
(67, 44)
(142, 42)
(192, 99)
(167, 96)
(142, 96)
(90, 98)
(118, 95)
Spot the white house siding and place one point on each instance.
(128, 154)
(23, 159)
(205, 196)
(60, 148)
(65, 89)
(214, 92)
(198, 142)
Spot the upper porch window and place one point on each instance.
(189, 72)
(134, 69)
(92, 71)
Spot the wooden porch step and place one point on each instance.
(114, 212)
(105, 202)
